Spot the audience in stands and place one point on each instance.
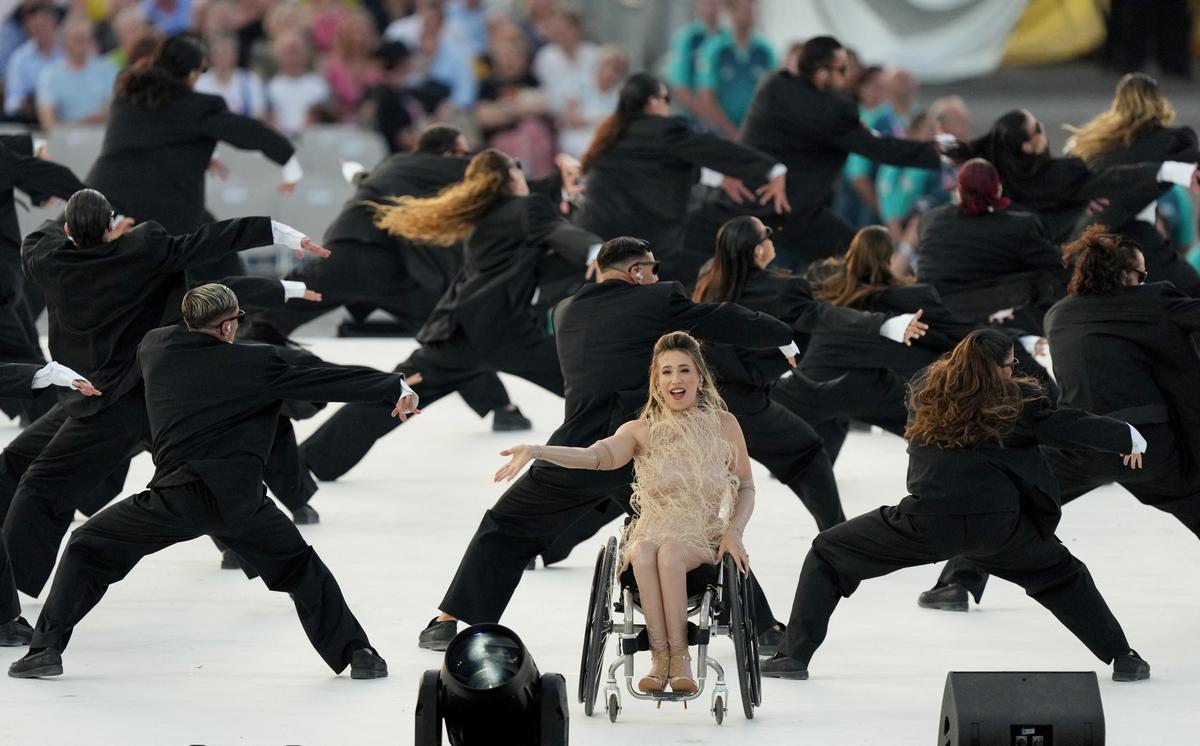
(77, 87)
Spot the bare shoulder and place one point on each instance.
(637, 429)
(729, 425)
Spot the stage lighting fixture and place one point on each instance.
(489, 691)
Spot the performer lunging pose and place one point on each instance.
(212, 408)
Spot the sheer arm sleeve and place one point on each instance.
(608, 454)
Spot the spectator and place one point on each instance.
(77, 87)
(295, 90)
(211, 18)
(280, 20)
(351, 68)
(468, 21)
(567, 66)
(856, 201)
(106, 34)
(390, 106)
(685, 44)
(441, 60)
(907, 192)
(902, 92)
(791, 60)
(951, 116)
(511, 110)
(327, 17)
(251, 29)
(407, 25)
(27, 62)
(537, 22)
(582, 118)
(169, 16)
(129, 27)
(729, 66)
(241, 89)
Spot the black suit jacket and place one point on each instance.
(39, 179)
(745, 375)
(152, 162)
(104, 298)
(812, 132)
(16, 380)
(606, 334)
(991, 478)
(1132, 355)
(641, 185)
(489, 300)
(850, 351)
(213, 406)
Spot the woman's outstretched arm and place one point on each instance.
(608, 454)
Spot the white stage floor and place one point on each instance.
(184, 653)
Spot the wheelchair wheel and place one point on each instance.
(599, 626)
(743, 635)
(751, 622)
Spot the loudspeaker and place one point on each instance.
(1040, 708)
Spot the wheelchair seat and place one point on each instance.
(698, 580)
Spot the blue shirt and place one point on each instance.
(685, 44)
(76, 94)
(177, 21)
(733, 72)
(452, 68)
(21, 77)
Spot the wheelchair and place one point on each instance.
(718, 596)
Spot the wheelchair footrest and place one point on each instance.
(696, 636)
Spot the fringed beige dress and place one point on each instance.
(684, 482)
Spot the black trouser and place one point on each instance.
(10, 605)
(285, 474)
(827, 398)
(344, 439)
(19, 341)
(1007, 544)
(104, 549)
(1160, 483)
(80, 455)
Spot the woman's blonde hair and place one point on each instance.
(451, 214)
(1137, 105)
(707, 398)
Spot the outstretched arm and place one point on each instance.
(608, 454)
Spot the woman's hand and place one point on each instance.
(1132, 460)
(775, 193)
(521, 455)
(731, 544)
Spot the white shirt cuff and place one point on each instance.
(711, 178)
(894, 327)
(790, 350)
(777, 170)
(1149, 213)
(293, 289)
(1177, 172)
(350, 169)
(1138, 442)
(593, 252)
(1029, 342)
(292, 171)
(55, 374)
(38, 144)
(286, 235)
(406, 390)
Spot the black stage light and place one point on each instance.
(489, 691)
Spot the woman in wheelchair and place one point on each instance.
(692, 495)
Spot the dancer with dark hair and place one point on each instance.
(978, 486)
(211, 434)
(1137, 128)
(1125, 349)
(483, 322)
(1060, 189)
(808, 124)
(983, 257)
(642, 164)
(606, 334)
(160, 138)
(133, 277)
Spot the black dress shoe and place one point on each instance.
(779, 666)
(15, 633)
(1130, 667)
(44, 662)
(230, 560)
(768, 642)
(437, 635)
(366, 664)
(952, 597)
(505, 421)
(531, 564)
(305, 515)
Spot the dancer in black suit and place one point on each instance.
(483, 322)
(606, 334)
(1124, 349)
(21, 380)
(212, 408)
(160, 138)
(978, 486)
(641, 167)
(105, 286)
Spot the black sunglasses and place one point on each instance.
(843, 69)
(1011, 364)
(241, 316)
(666, 97)
(652, 265)
(516, 163)
(1142, 274)
(767, 233)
